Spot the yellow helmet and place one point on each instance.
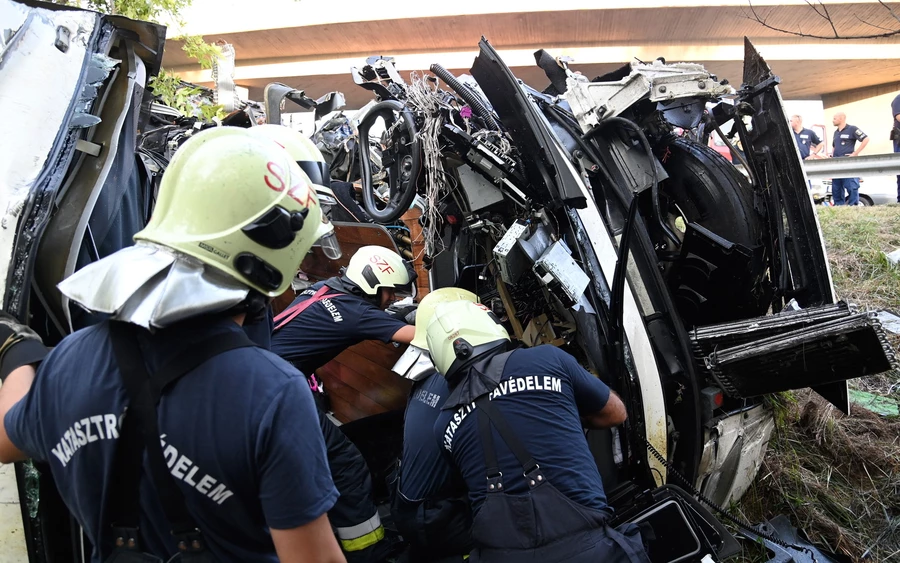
(460, 330)
(240, 205)
(425, 311)
(304, 152)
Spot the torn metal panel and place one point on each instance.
(732, 454)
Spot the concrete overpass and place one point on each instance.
(312, 46)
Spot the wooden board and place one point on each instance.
(351, 236)
(411, 220)
(360, 382)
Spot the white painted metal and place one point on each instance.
(37, 84)
(648, 378)
(749, 432)
(592, 102)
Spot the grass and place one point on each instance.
(838, 477)
(857, 239)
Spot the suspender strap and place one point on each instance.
(140, 429)
(487, 445)
(506, 432)
(291, 313)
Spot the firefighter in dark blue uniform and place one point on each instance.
(322, 322)
(430, 507)
(844, 143)
(235, 426)
(512, 426)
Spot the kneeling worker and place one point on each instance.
(429, 504)
(322, 322)
(512, 426)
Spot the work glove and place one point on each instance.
(19, 345)
(405, 312)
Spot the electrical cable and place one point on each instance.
(424, 97)
(746, 526)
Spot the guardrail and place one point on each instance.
(853, 166)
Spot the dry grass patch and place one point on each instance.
(838, 477)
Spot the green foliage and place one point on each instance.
(196, 48)
(187, 99)
(147, 10)
(209, 111)
(164, 86)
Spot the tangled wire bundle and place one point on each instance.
(425, 99)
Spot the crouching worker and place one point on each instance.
(231, 472)
(512, 426)
(322, 322)
(430, 507)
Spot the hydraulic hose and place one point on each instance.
(469, 96)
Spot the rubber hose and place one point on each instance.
(469, 96)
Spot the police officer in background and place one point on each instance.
(429, 505)
(807, 141)
(512, 426)
(895, 133)
(322, 322)
(235, 426)
(845, 138)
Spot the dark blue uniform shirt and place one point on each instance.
(845, 139)
(240, 435)
(423, 469)
(806, 139)
(542, 393)
(260, 332)
(327, 328)
(895, 110)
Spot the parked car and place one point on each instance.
(873, 190)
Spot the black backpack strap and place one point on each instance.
(140, 431)
(506, 432)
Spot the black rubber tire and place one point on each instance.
(708, 190)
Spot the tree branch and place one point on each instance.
(821, 10)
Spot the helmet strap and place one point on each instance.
(459, 369)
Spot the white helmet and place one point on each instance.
(304, 152)
(461, 330)
(374, 267)
(425, 311)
